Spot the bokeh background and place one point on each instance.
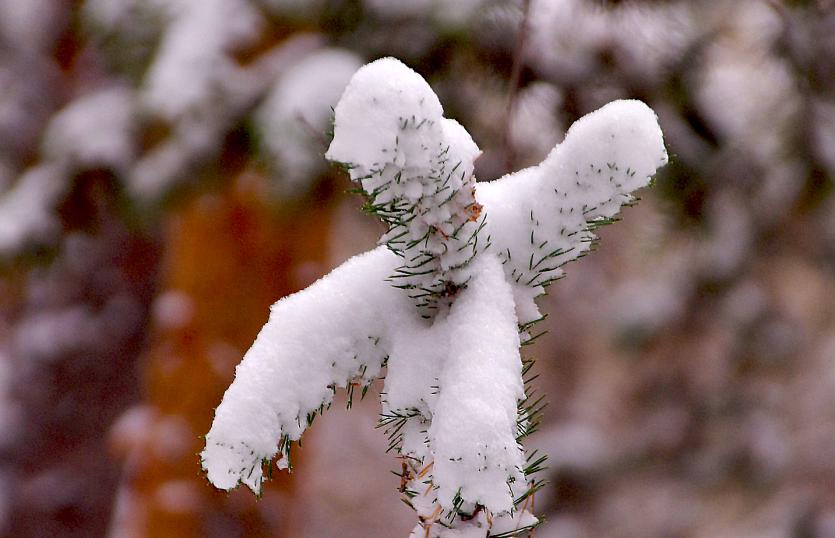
(162, 183)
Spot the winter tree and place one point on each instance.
(440, 308)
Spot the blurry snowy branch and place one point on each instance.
(193, 93)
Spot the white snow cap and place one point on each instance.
(192, 58)
(380, 96)
(416, 169)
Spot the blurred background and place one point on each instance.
(162, 183)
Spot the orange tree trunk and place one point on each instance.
(227, 256)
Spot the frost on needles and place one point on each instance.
(440, 308)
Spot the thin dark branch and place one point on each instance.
(513, 84)
(314, 133)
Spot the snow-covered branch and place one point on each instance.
(443, 304)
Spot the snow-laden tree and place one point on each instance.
(440, 308)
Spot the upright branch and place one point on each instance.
(415, 168)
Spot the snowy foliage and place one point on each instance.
(440, 308)
(92, 131)
(297, 109)
(417, 171)
(26, 210)
(192, 63)
(575, 33)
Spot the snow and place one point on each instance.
(31, 25)
(740, 72)
(572, 31)
(27, 97)
(539, 218)
(47, 333)
(201, 116)
(647, 306)
(448, 12)
(109, 13)
(416, 168)
(274, 391)
(192, 60)
(42, 335)
(653, 39)
(298, 110)
(567, 37)
(132, 428)
(757, 87)
(97, 129)
(439, 303)
(26, 209)
(293, 8)
(6, 175)
(534, 128)
(398, 9)
(474, 421)
(380, 96)
(173, 309)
